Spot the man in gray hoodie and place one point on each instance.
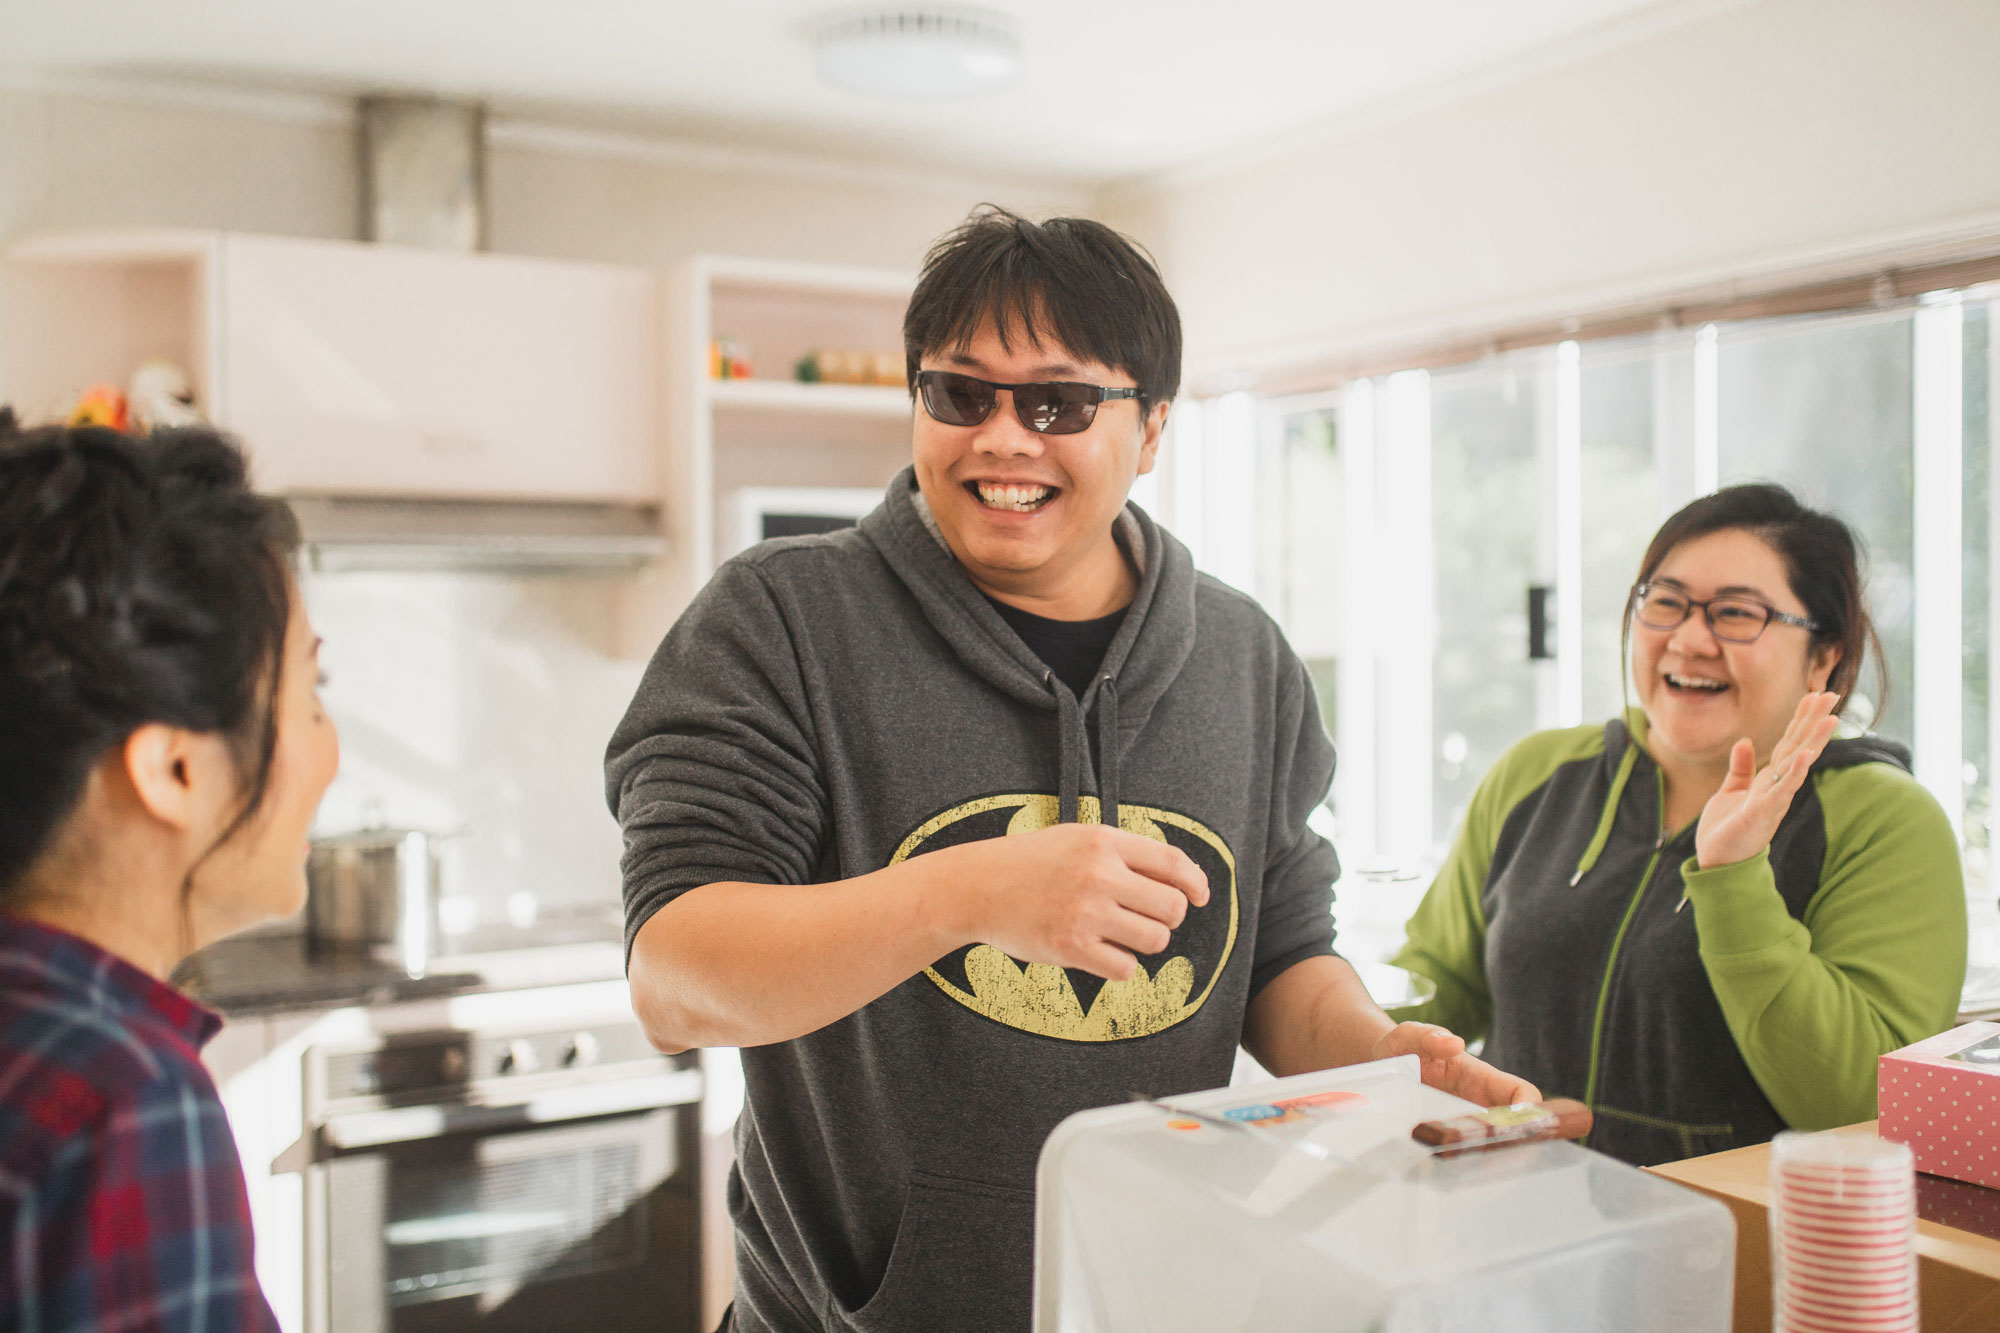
(980, 814)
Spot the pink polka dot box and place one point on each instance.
(1942, 1097)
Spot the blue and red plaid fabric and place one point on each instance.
(121, 1196)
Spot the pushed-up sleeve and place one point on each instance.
(1877, 963)
(1295, 921)
(714, 773)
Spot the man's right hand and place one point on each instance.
(1075, 895)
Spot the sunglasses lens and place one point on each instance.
(956, 400)
(1056, 408)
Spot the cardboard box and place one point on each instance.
(1942, 1097)
(1958, 1271)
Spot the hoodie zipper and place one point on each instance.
(1617, 941)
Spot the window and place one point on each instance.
(1398, 526)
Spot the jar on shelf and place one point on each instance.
(729, 359)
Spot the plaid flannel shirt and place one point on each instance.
(121, 1195)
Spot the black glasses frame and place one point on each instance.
(1640, 592)
(1038, 404)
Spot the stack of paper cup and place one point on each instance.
(1843, 1235)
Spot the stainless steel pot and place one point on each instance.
(375, 893)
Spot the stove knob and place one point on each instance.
(581, 1049)
(520, 1057)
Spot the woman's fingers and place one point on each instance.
(1812, 725)
(1742, 764)
(1794, 729)
(1811, 709)
(1781, 783)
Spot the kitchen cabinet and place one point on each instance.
(360, 370)
(770, 429)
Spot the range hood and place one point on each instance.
(477, 536)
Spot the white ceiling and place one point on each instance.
(1112, 88)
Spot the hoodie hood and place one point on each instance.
(1141, 664)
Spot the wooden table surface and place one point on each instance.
(1958, 1271)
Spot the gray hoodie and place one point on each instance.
(830, 705)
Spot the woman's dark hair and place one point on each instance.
(1822, 563)
(1071, 280)
(141, 581)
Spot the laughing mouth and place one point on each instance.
(1695, 684)
(1012, 497)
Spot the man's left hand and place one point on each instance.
(1448, 1068)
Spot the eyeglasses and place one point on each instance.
(1049, 407)
(1731, 619)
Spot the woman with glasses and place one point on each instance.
(1708, 918)
(162, 750)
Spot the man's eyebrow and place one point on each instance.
(1047, 370)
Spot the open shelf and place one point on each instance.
(793, 396)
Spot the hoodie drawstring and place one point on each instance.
(1626, 763)
(1107, 750)
(1073, 737)
(1069, 767)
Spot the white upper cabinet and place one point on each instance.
(351, 369)
(360, 369)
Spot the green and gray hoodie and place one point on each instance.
(831, 705)
(1693, 1010)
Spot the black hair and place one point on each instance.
(141, 581)
(1071, 280)
(1822, 558)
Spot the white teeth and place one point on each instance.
(1696, 683)
(1020, 499)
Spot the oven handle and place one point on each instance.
(412, 1124)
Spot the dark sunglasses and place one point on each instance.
(1050, 407)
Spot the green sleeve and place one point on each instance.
(1877, 963)
(1446, 939)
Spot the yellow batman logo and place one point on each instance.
(1051, 1001)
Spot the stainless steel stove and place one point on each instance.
(490, 1146)
(503, 1179)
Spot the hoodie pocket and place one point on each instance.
(963, 1259)
(1645, 1140)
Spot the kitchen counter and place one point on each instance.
(248, 975)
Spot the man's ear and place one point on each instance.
(1149, 439)
(1820, 665)
(164, 765)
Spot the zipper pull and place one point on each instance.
(1682, 903)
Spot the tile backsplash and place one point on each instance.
(479, 705)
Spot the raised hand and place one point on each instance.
(1076, 895)
(1740, 819)
(1448, 1068)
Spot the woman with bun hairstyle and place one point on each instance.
(1708, 918)
(162, 751)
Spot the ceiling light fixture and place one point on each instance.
(918, 55)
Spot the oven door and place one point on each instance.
(586, 1224)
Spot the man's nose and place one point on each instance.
(1002, 433)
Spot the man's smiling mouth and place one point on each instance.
(1695, 684)
(1012, 497)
